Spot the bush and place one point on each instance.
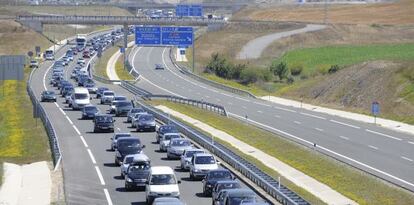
(296, 70)
(280, 70)
(290, 79)
(267, 75)
(249, 76)
(333, 69)
(323, 69)
(224, 69)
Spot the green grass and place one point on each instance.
(100, 66)
(122, 73)
(357, 185)
(315, 59)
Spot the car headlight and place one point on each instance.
(118, 154)
(196, 170)
(209, 185)
(175, 193)
(129, 179)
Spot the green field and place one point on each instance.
(352, 183)
(314, 59)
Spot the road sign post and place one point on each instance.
(375, 110)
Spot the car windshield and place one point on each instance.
(191, 153)
(109, 94)
(165, 129)
(163, 179)
(104, 119)
(239, 200)
(147, 118)
(180, 143)
(169, 137)
(124, 104)
(92, 109)
(137, 110)
(119, 98)
(81, 96)
(49, 93)
(137, 167)
(122, 135)
(205, 160)
(129, 146)
(128, 160)
(228, 186)
(219, 175)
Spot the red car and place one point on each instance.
(86, 54)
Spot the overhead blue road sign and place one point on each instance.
(375, 108)
(147, 35)
(181, 10)
(185, 10)
(195, 10)
(177, 36)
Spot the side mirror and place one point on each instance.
(179, 181)
(112, 138)
(143, 146)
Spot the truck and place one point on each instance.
(80, 42)
(49, 55)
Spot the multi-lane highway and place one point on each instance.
(382, 152)
(90, 175)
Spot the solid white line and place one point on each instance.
(410, 142)
(244, 107)
(326, 150)
(91, 155)
(119, 129)
(207, 96)
(297, 122)
(385, 135)
(83, 141)
(76, 129)
(108, 197)
(259, 111)
(342, 123)
(262, 104)
(242, 99)
(315, 116)
(57, 105)
(280, 108)
(319, 129)
(343, 137)
(277, 116)
(373, 147)
(63, 112)
(100, 175)
(406, 158)
(70, 121)
(226, 94)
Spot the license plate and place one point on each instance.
(147, 126)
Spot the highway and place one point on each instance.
(90, 175)
(381, 152)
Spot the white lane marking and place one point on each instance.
(108, 197)
(119, 129)
(63, 112)
(133, 60)
(343, 137)
(207, 96)
(91, 156)
(160, 87)
(410, 142)
(83, 141)
(242, 99)
(259, 111)
(314, 116)
(70, 121)
(277, 116)
(373, 147)
(297, 122)
(285, 109)
(76, 129)
(257, 103)
(342, 123)
(385, 135)
(100, 175)
(57, 105)
(226, 95)
(326, 150)
(319, 129)
(244, 107)
(406, 158)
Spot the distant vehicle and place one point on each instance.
(239, 196)
(162, 183)
(103, 122)
(176, 148)
(80, 97)
(127, 146)
(90, 85)
(167, 201)
(201, 164)
(34, 64)
(65, 89)
(122, 108)
(134, 123)
(86, 54)
(115, 138)
(165, 140)
(213, 177)
(159, 67)
(49, 55)
(138, 172)
(165, 129)
(146, 122)
(125, 164)
(225, 184)
(185, 158)
(89, 112)
(99, 91)
(80, 41)
(132, 112)
(48, 96)
(81, 61)
(107, 97)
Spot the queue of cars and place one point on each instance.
(160, 183)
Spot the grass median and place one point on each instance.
(122, 73)
(357, 185)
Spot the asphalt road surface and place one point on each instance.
(90, 175)
(381, 152)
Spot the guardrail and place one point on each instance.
(134, 89)
(249, 170)
(209, 82)
(197, 103)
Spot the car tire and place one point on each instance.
(182, 167)
(122, 175)
(191, 176)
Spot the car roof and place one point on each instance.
(162, 170)
(81, 90)
(240, 192)
(128, 139)
(108, 91)
(203, 155)
(122, 133)
(166, 199)
(180, 139)
(172, 133)
(194, 149)
(141, 157)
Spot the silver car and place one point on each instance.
(115, 138)
(165, 140)
(185, 158)
(135, 118)
(107, 96)
(167, 200)
(177, 146)
(132, 113)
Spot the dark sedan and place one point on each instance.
(213, 177)
(89, 112)
(103, 123)
(48, 96)
(99, 91)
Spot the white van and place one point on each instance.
(80, 97)
(161, 183)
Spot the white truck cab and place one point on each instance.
(79, 98)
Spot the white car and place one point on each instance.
(165, 140)
(201, 164)
(162, 182)
(125, 164)
(81, 61)
(34, 64)
(185, 158)
(107, 96)
(79, 98)
(134, 120)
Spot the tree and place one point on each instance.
(280, 70)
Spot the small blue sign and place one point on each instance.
(147, 35)
(177, 36)
(122, 50)
(375, 108)
(185, 10)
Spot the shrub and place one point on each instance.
(304, 76)
(333, 69)
(267, 75)
(290, 79)
(249, 76)
(280, 70)
(296, 70)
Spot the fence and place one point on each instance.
(210, 82)
(249, 170)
